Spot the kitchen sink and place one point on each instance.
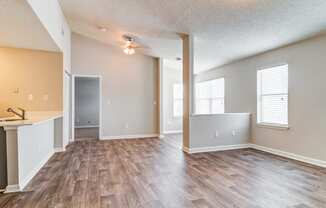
(14, 119)
(10, 119)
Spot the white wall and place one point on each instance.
(207, 131)
(307, 100)
(53, 19)
(33, 155)
(170, 76)
(129, 86)
(87, 98)
(21, 28)
(28, 148)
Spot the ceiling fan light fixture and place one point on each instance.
(129, 51)
(128, 43)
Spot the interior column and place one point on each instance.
(188, 65)
(160, 97)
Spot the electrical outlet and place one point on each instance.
(126, 126)
(30, 97)
(217, 134)
(46, 97)
(16, 91)
(233, 132)
(109, 102)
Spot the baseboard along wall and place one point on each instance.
(289, 155)
(173, 132)
(136, 136)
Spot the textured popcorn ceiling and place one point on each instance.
(224, 30)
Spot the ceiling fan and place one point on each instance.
(130, 45)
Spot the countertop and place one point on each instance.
(32, 118)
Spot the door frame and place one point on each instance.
(74, 76)
(66, 131)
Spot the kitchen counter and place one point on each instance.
(30, 143)
(33, 117)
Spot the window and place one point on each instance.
(177, 100)
(272, 95)
(210, 97)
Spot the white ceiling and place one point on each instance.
(224, 30)
(21, 28)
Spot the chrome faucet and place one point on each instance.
(21, 115)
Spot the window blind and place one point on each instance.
(272, 95)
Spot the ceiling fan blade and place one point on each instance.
(135, 42)
(145, 47)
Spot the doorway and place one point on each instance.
(172, 102)
(86, 122)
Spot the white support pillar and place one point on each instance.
(160, 97)
(188, 83)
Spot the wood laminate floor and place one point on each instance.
(176, 140)
(145, 173)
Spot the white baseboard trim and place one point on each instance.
(289, 155)
(161, 136)
(136, 136)
(173, 132)
(186, 149)
(33, 172)
(215, 148)
(12, 189)
(87, 127)
(59, 149)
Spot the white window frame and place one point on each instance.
(260, 95)
(211, 99)
(175, 115)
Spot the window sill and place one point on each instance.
(273, 126)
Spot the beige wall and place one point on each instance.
(129, 86)
(32, 72)
(307, 99)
